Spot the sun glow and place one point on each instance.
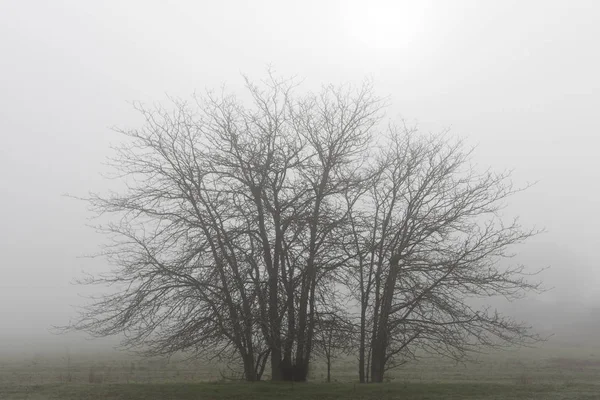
(385, 24)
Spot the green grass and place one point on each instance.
(545, 373)
(265, 390)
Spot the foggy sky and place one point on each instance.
(519, 79)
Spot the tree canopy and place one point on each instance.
(266, 229)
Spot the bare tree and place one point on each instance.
(228, 224)
(334, 336)
(428, 240)
(241, 218)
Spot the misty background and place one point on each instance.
(518, 79)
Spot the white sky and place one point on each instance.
(519, 78)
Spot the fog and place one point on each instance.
(517, 79)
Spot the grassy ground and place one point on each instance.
(230, 391)
(550, 373)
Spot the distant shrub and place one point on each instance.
(95, 376)
(525, 379)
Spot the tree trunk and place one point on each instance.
(378, 363)
(275, 331)
(305, 327)
(261, 363)
(380, 339)
(361, 349)
(276, 365)
(300, 370)
(250, 369)
(368, 369)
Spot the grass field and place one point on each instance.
(265, 390)
(558, 372)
